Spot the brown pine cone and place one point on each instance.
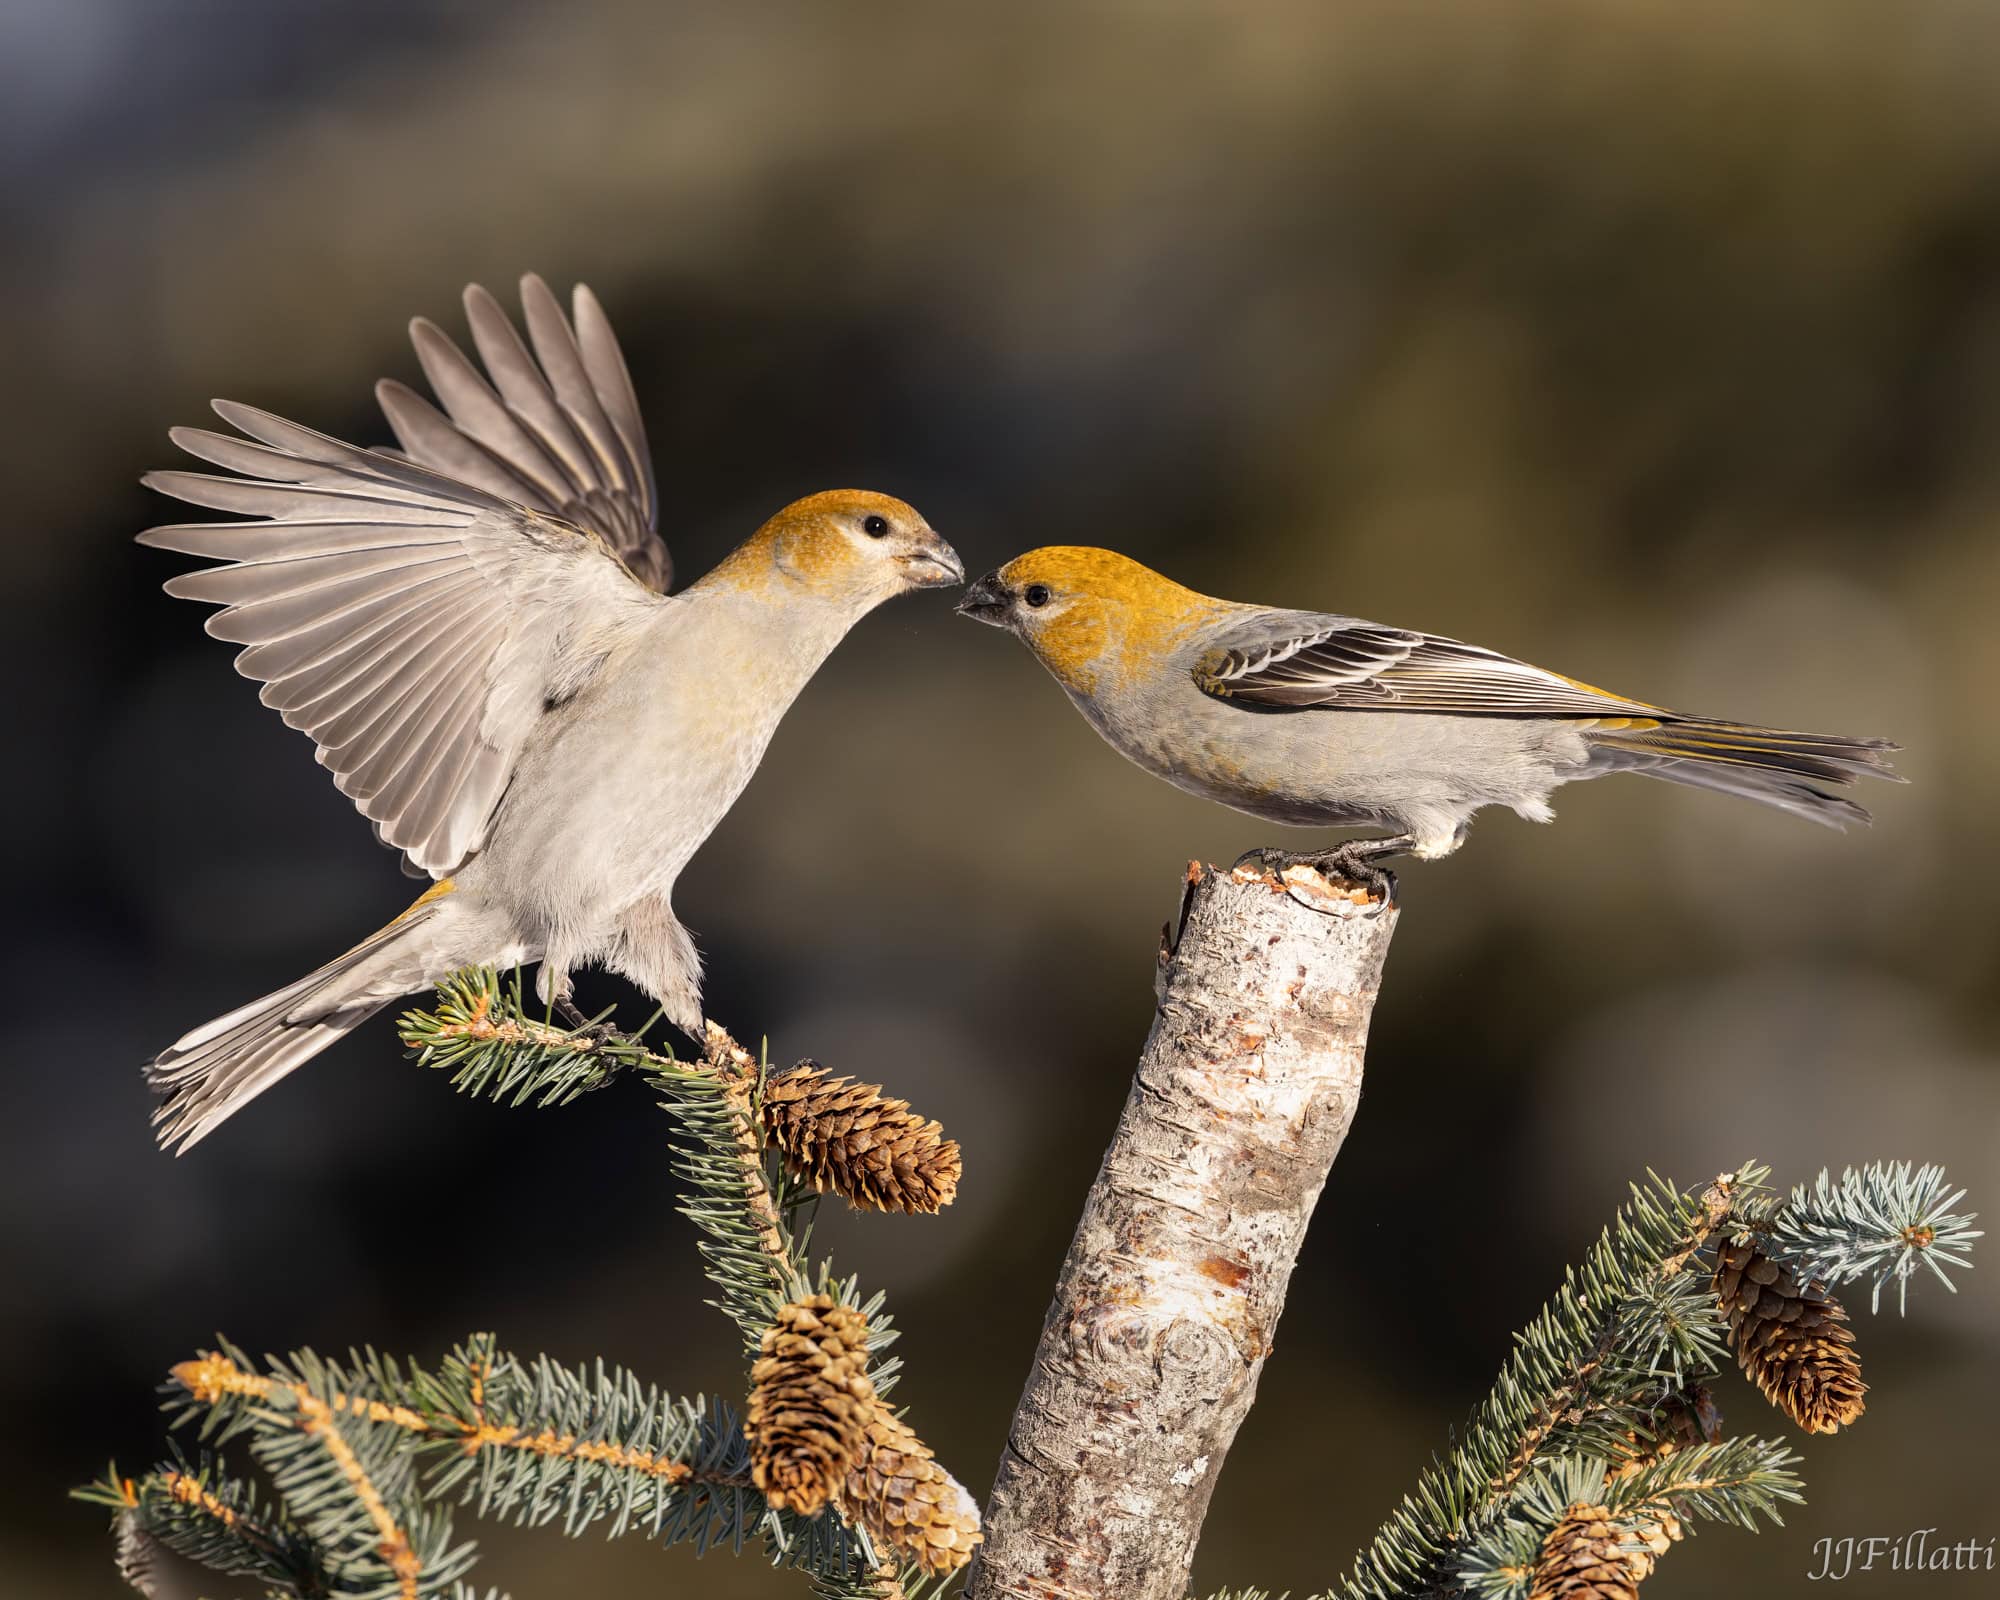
(907, 1501)
(1792, 1341)
(1582, 1559)
(810, 1400)
(1682, 1421)
(886, 1583)
(859, 1143)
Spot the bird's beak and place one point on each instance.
(936, 566)
(987, 601)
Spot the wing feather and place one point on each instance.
(413, 624)
(480, 414)
(429, 436)
(355, 736)
(335, 679)
(556, 349)
(275, 616)
(552, 424)
(611, 381)
(1346, 665)
(526, 391)
(427, 789)
(298, 502)
(372, 766)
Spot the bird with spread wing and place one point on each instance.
(476, 632)
(1315, 719)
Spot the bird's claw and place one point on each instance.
(1344, 862)
(1378, 881)
(598, 1031)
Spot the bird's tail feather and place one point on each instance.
(1769, 765)
(210, 1074)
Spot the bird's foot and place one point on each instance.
(597, 1030)
(1360, 867)
(1354, 862)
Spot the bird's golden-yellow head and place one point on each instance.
(1086, 614)
(851, 544)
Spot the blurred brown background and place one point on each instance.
(1659, 343)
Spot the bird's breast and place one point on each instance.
(625, 782)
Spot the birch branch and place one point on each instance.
(1171, 1293)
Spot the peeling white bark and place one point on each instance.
(1167, 1304)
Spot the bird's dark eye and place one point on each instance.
(875, 527)
(1037, 594)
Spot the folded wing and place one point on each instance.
(1295, 662)
(415, 626)
(555, 427)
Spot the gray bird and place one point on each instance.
(475, 633)
(1313, 719)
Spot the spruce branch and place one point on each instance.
(1879, 1223)
(365, 1455)
(482, 1030)
(479, 1029)
(195, 1509)
(335, 1462)
(738, 1198)
(1729, 1480)
(1602, 1407)
(531, 1443)
(1629, 1324)
(886, 1582)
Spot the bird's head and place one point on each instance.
(853, 546)
(1085, 613)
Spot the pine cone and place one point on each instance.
(1682, 1420)
(1792, 1341)
(810, 1400)
(1655, 1527)
(1581, 1559)
(852, 1139)
(886, 1583)
(907, 1501)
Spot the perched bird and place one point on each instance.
(476, 634)
(1315, 719)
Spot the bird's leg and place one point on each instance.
(1354, 862)
(597, 1031)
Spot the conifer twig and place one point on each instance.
(1702, 1222)
(737, 1072)
(321, 1422)
(212, 1375)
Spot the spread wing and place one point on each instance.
(1295, 662)
(415, 626)
(557, 430)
